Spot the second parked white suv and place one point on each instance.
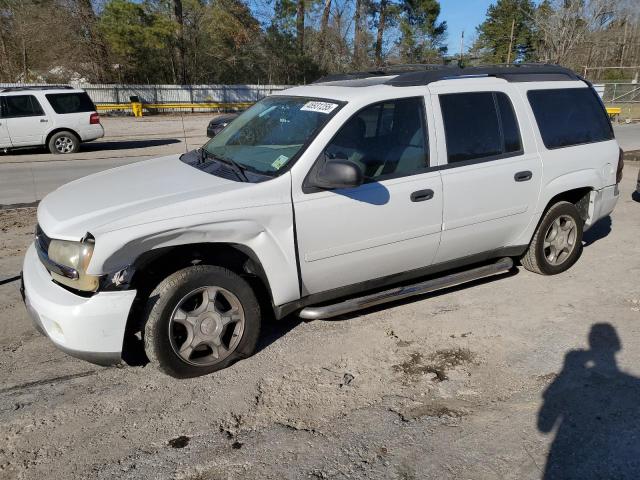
(59, 118)
(321, 200)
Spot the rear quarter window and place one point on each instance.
(70, 102)
(569, 116)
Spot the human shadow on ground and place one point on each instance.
(595, 409)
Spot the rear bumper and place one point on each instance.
(602, 203)
(90, 328)
(91, 132)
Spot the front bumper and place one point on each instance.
(90, 328)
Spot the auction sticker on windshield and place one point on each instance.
(320, 107)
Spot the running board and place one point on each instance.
(398, 293)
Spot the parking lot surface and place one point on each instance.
(517, 377)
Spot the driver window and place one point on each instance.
(387, 140)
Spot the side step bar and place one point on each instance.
(328, 311)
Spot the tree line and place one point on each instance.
(296, 41)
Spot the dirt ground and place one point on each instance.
(446, 386)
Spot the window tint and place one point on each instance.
(510, 129)
(71, 102)
(386, 139)
(21, 106)
(479, 125)
(569, 116)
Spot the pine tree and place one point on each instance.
(494, 34)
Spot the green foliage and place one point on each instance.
(138, 38)
(494, 33)
(422, 36)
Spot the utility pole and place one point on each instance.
(513, 26)
(461, 44)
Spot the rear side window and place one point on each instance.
(71, 102)
(21, 106)
(569, 116)
(479, 126)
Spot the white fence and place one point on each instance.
(105, 94)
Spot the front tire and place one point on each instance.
(557, 242)
(64, 142)
(199, 320)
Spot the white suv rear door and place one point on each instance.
(491, 169)
(389, 225)
(25, 119)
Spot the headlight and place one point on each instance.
(75, 255)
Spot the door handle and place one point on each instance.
(523, 176)
(43, 120)
(422, 195)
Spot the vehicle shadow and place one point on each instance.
(273, 330)
(598, 231)
(97, 146)
(593, 407)
(126, 144)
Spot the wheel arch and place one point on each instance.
(61, 129)
(153, 266)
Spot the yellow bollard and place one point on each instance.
(137, 109)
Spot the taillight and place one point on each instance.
(620, 166)
(94, 119)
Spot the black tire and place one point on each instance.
(159, 342)
(535, 259)
(64, 142)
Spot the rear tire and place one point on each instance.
(64, 142)
(199, 320)
(557, 242)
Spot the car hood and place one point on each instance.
(95, 201)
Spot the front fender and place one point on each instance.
(271, 241)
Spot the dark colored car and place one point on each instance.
(217, 124)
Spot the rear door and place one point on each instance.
(491, 169)
(26, 120)
(389, 225)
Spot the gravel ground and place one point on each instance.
(444, 386)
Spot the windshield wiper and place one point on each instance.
(237, 168)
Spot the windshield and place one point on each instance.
(270, 134)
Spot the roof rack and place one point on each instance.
(413, 75)
(33, 87)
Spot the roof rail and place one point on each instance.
(394, 69)
(413, 75)
(33, 87)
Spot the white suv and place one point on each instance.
(57, 117)
(321, 200)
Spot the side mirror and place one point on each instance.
(338, 173)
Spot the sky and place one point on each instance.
(462, 15)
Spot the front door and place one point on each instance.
(391, 224)
(491, 171)
(25, 119)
